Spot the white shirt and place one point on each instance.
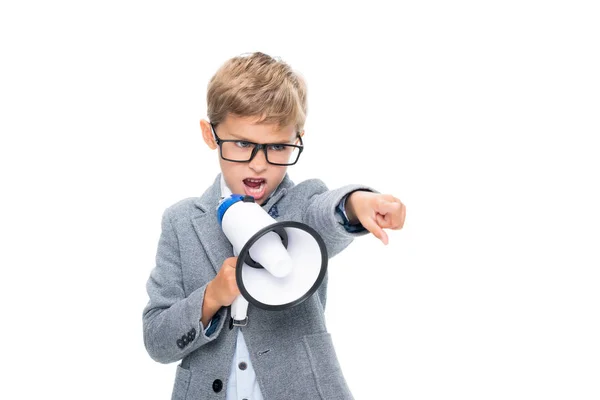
(242, 384)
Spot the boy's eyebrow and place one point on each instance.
(282, 142)
(233, 136)
(236, 137)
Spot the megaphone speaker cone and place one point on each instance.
(296, 276)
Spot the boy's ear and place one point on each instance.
(207, 134)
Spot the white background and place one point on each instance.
(480, 116)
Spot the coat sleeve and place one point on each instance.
(171, 321)
(320, 214)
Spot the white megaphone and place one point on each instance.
(280, 264)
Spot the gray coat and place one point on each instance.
(291, 350)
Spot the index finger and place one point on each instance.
(376, 230)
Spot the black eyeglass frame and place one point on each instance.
(257, 148)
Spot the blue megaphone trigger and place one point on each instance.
(228, 202)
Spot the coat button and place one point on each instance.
(217, 385)
(242, 365)
(180, 344)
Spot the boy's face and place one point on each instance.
(256, 178)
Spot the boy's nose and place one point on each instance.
(259, 162)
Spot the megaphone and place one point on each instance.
(280, 264)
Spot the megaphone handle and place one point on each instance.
(239, 311)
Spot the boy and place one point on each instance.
(257, 109)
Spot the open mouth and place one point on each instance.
(255, 187)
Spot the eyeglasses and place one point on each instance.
(244, 151)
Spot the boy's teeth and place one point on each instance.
(257, 189)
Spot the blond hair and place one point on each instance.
(257, 85)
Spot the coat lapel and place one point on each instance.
(281, 190)
(214, 241)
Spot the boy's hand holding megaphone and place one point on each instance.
(221, 291)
